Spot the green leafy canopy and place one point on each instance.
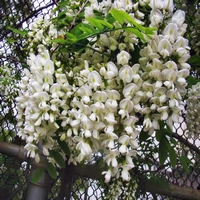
(97, 25)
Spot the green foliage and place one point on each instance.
(194, 60)
(159, 181)
(63, 145)
(143, 136)
(166, 145)
(52, 170)
(58, 158)
(173, 157)
(185, 162)
(164, 148)
(23, 32)
(122, 17)
(81, 34)
(192, 81)
(37, 174)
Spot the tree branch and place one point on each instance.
(94, 171)
(186, 143)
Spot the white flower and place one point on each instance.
(31, 151)
(156, 4)
(170, 76)
(111, 158)
(112, 70)
(147, 124)
(178, 18)
(49, 66)
(85, 150)
(100, 96)
(183, 54)
(171, 65)
(165, 48)
(56, 91)
(168, 5)
(126, 106)
(110, 118)
(123, 58)
(181, 42)
(125, 172)
(161, 94)
(124, 140)
(129, 124)
(111, 137)
(108, 175)
(171, 32)
(87, 127)
(48, 80)
(113, 44)
(126, 74)
(85, 92)
(156, 17)
(130, 90)
(164, 112)
(94, 79)
(156, 74)
(148, 89)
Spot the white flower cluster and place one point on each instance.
(7, 83)
(164, 69)
(93, 104)
(38, 102)
(192, 111)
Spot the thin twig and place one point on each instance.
(73, 22)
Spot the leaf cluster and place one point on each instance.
(87, 32)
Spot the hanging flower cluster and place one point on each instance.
(193, 109)
(93, 99)
(7, 81)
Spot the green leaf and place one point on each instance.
(143, 136)
(194, 59)
(161, 131)
(10, 40)
(119, 16)
(158, 181)
(110, 19)
(99, 23)
(172, 157)
(76, 30)
(52, 170)
(136, 32)
(61, 15)
(159, 134)
(71, 37)
(94, 22)
(78, 46)
(59, 41)
(17, 31)
(173, 141)
(192, 80)
(185, 163)
(58, 158)
(86, 29)
(164, 147)
(122, 16)
(37, 174)
(63, 145)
